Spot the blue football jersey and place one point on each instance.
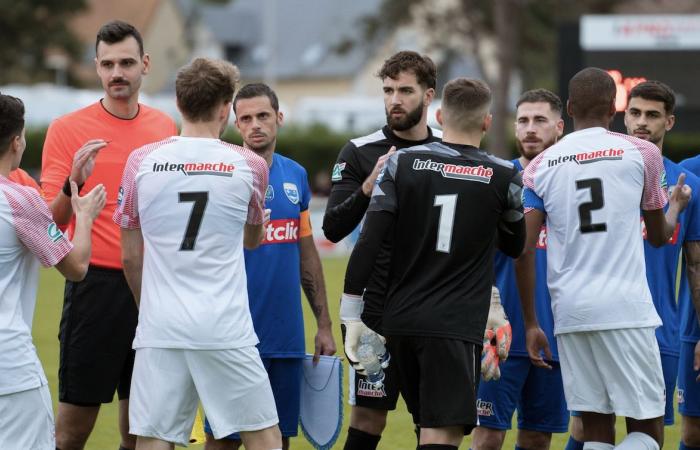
(662, 264)
(506, 284)
(273, 269)
(689, 329)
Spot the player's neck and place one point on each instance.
(265, 153)
(582, 124)
(454, 137)
(6, 165)
(419, 132)
(124, 109)
(523, 161)
(210, 130)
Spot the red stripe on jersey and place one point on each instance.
(261, 173)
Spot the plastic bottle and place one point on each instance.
(372, 338)
(369, 360)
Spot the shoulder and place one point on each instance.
(22, 199)
(372, 138)
(142, 152)
(76, 117)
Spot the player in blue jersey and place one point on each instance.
(286, 257)
(536, 393)
(649, 116)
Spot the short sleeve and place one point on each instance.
(305, 191)
(531, 199)
(35, 226)
(513, 211)
(261, 174)
(655, 195)
(384, 196)
(126, 215)
(56, 160)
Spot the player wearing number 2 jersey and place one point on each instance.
(589, 186)
(193, 202)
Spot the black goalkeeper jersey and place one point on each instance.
(347, 203)
(446, 208)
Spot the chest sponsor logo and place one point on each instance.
(483, 408)
(291, 191)
(54, 232)
(479, 173)
(269, 193)
(220, 169)
(365, 389)
(338, 172)
(280, 231)
(673, 240)
(611, 154)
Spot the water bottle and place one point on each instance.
(372, 339)
(369, 360)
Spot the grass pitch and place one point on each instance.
(105, 436)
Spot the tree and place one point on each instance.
(29, 29)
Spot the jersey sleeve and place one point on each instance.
(655, 195)
(384, 196)
(56, 160)
(35, 226)
(530, 198)
(305, 190)
(126, 215)
(261, 174)
(511, 227)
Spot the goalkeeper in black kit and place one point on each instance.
(440, 210)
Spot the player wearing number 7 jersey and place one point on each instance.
(188, 205)
(589, 186)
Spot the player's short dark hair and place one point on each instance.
(407, 61)
(656, 91)
(465, 103)
(116, 31)
(591, 93)
(253, 90)
(203, 85)
(11, 120)
(541, 96)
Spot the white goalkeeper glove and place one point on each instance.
(352, 328)
(497, 338)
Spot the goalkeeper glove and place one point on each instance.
(352, 328)
(497, 322)
(489, 359)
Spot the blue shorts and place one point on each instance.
(285, 379)
(669, 366)
(537, 394)
(688, 388)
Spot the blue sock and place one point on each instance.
(573, 444)
(682, 446)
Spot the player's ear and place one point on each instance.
(569, 109)
(146, 60)
(280, 118)
(429, 96)
(560, 128)
(487, 122)
(670, 122)
(438, 116)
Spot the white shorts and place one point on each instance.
(613, 372)
(231, 384)
(26, 420)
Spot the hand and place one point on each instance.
(352, 328)
(266, 221)
(680, 194)
(84, 160)
(90, 204)
(536, 341)
(368, 184)
(696, 361)
(497, 323)
(324, 344)
(489, 359)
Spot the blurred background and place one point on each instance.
(322, 56)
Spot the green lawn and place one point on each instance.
(399, 432)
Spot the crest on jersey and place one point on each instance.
(54, 233)
(338, 172)
(269, 193)
(291, 191)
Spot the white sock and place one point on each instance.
(638, 441)
(597, 446)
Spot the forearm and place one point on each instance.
(365, 253)
(692, 256)
(133, 268)
(313, 283)
(525, 279)
(61, 208)
(671, 215)
(343, 213)
(132, 260)
(252, 236)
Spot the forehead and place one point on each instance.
(532, 109)
(404, 78)
(126, 48)
(643, 104)
(253, 105)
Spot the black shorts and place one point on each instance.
(364, 394)
(96, 333)
(438, 379)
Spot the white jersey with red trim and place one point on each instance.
(28, 237)
(191, 198)
(591, 185)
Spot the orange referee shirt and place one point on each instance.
(68, 133)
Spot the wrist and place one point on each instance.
(351, 307)
(66, 187)
(367, 189)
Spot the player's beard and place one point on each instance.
(410, 120)
(531, 154)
